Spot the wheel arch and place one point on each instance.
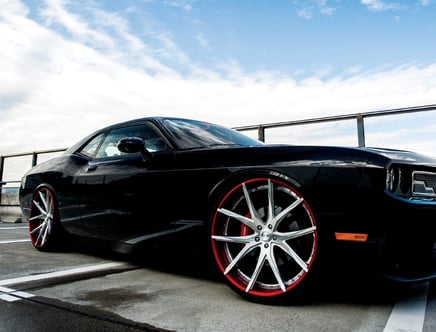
(235, 178)
(46, 185)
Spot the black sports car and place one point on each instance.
(270, 213)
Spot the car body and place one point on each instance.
(270, 213)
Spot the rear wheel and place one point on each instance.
(264, 238)
(43, 221)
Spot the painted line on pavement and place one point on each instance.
(11, 295)
(14, 241)
(64, 273)
(409, 313)
(18, 227)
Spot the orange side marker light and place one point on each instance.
(356, 237)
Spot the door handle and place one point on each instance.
(91, 168)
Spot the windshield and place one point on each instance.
(196, 134)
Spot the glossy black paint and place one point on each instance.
(135, 197)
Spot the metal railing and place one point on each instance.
(34, 162)
(359, 117)
(261, 128)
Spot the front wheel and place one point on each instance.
(44, 228)
(264, 238)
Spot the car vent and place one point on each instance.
(424, 184)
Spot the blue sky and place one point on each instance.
(296, 38)
(71, 67)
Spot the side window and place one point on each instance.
(91, 148)
(152, 140)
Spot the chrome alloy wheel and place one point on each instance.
(264, 237)
(41, 218)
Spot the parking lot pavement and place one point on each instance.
(176, 291)
(40, 314)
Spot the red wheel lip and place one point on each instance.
(234, 281)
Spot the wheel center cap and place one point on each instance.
(266, 235)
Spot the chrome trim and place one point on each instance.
(424, 184)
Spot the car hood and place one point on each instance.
(301, 155)
(402, 155)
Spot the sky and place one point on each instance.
(71, 67)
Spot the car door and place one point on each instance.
(122, 196)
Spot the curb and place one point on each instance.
(11, 214)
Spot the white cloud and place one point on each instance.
(183, 4)
(105, 32)
(306, 9)
(425, 2)
(378, 5)
(305, 13)
(201, 38)
(56, 89)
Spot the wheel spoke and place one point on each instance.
(234, 239)
(296, 234)
(50, 209)
(266, 255)
(258, 268)
(274, 267)
(253, 213)
(40, 216)
(40, 234)
(278, 219)
(291, 252)
(36, 229)
(43, 212)
(246, 221)
(46, 232)
(247, 248)
(270, 201)
(44, 199)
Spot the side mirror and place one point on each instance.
(133, 145)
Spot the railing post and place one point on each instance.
(261, 133)
(2, 163)
(360, 130)
(34, 159)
